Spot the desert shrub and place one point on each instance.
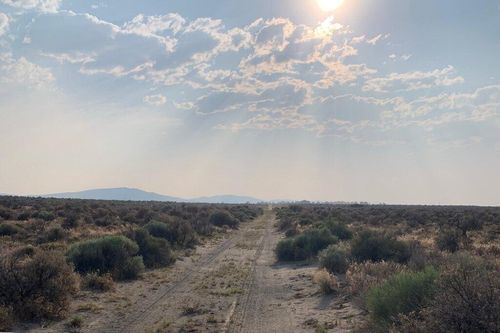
(334, 259)
(52, 235)
(339, 229)
(9, 229)
(327, 282)
(285, 250)
(401, 294)
(70, 222)
(36, 287)
(222, 218)
(468, 298)
(155, 251)
(448, 240)
(377, 246)
(110, 254)
(305, 245)
(176, 232)
(131, 269)
(75, 323)
(363, 276)
(94, 281)
(6, 318)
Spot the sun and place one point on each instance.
(329, 5)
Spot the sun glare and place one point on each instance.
(329, 5)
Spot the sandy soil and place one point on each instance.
(230, 284)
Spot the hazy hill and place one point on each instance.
(132, 194)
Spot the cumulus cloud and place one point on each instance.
(4, 23)
(155, 100)
(39, 5)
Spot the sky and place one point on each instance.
(394, 101)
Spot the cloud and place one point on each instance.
(24, 73)
(156, 100)
(416, 80)
(39, 5)
(4, 23)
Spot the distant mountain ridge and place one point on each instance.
(133, 194)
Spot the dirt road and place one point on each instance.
(230, 284)
(228, 287)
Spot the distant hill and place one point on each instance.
(123, 193)
(132, 194)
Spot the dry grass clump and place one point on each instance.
(363, 276)
(327, 282)
(94, 281)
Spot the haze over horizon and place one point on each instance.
(394, 101)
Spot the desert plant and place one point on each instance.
(339, 229)
(38, 286)
(176, 232)
(448, 240)
(378, 246)
(222, 218)
(94, 281)
(9, 229)
(155, 251)
(305, 245)
(363, 276)
(110, 254)
(6, 318)
(335, 259)
(401, 294)
(468, 298)
(327, 282)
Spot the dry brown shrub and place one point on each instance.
(363, 276)
(327, 282)
(94, 281)
(37, 287)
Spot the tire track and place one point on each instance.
(136, 321)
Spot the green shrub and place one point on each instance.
(155, 251)
(131, 269)
(334, 259)
(305, 245)
(377, 246)
(36, 287)
(401, 294)
(110, 254)
(339, 229)
(9, 229)
(176, 233)
(448, 240)
(222, 218)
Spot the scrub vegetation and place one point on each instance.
(52, 248)
(409, 268)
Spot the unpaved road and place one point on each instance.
(229, 287)
(230, 284)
